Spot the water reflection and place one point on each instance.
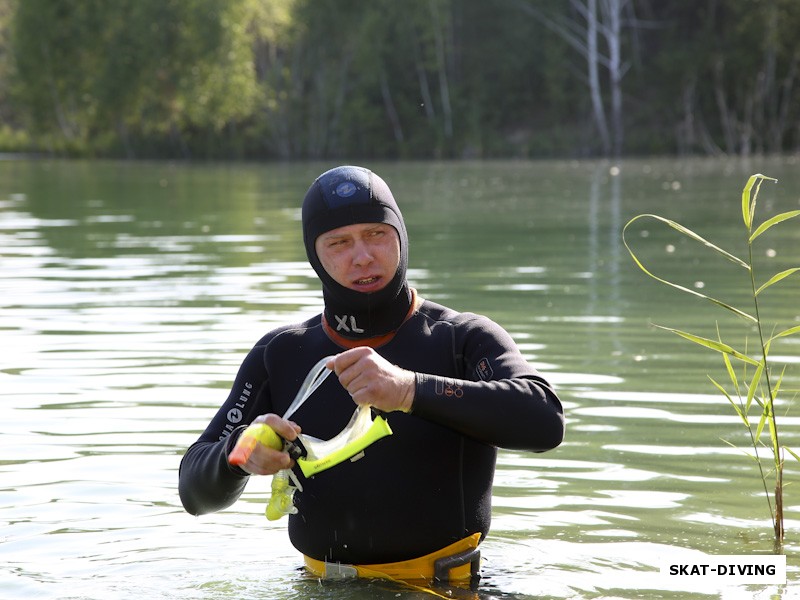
(129, 293)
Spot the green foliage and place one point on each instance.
(759, 384)
(138, 67)
(413, 79)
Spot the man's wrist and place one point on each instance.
(407, 403)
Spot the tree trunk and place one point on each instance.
(686, 135)
(422, 77)
(592, 60)
(391, 111)
(441, 62)
(612, 11)
(725, 118)
(125, 138)
(778, 128)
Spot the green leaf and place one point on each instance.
(749, 198)
(777, 277)
(792, 452)
(712, 344)
(746, 215)
(774, 221)
(753, 456)
(776, 388)
(681, 288)
(773, 437)
(751, 390)
(689, 233)
(786, 332)
(731, 372)
(760, 427)
(736, 407)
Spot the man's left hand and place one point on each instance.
(373, 380)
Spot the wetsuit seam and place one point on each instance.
(432, 321)
(458, 357)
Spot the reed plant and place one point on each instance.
(753, 380)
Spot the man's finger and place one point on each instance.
(348, 358)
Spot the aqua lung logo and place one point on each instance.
(235, 414)
(346, 189)
(339, 191)
(347, 323)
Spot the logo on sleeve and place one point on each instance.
(484, 369)
(449, 387)
(236, 414)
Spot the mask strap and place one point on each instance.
(318, 373)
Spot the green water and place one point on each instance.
(129, 293)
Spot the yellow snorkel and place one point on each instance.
(312, 454)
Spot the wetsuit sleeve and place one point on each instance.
(206, 481)
(503, 400)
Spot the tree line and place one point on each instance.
(408, 79)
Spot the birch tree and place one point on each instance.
(582, 28)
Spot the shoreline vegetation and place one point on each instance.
(756, 393)
(438, 79)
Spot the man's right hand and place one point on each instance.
(264, 460)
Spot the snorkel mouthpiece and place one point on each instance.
(255, 434)
(261, 433)
(311, 454)
(281, 500)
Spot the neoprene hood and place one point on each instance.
(348, 195)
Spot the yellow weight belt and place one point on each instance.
(457, 562)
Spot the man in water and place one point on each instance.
(453, 386)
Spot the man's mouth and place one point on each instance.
(366, 280)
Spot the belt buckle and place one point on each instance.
(443, 566)
(340, 571)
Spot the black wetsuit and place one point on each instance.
(416, 491)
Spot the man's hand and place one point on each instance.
(264, 460)
(371, 379)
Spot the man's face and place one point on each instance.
(362, 257)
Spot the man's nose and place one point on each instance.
(362, 254)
